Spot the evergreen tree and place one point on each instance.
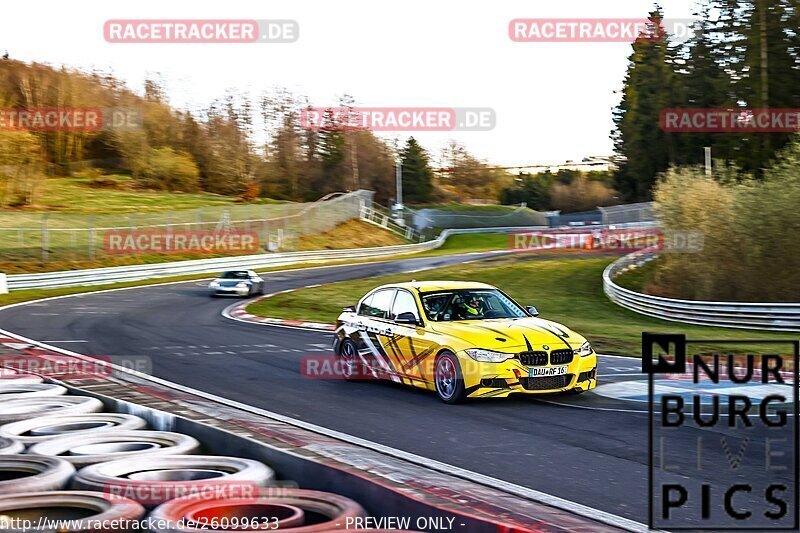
(417, 173)
(649, 88)
(705, 85)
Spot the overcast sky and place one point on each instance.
(553, 100)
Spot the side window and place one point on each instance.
(377, 305)
(433, 304)
(381, 303)
(404, 303)
(366, 305)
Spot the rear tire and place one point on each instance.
(448, 379)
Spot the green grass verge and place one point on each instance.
(74, 195)
(466, 243)
(566, 290)
(638, 278)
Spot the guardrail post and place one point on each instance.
(265, 227)
(45, 239)
(3, 284)
(90, 237)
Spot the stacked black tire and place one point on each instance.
(62, 458)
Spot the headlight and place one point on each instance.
(585, 349)
(488, 356)
(213, 285)
(241, 284)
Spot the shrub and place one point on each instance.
(750, 229)
(21, 168)
(167, 169)
(581, 194)
(250, 193)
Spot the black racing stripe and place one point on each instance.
(418, 358)
(379, 346)
(544, 329)
(397, 351)
(487, 394)
(492, 393)
(528, 343)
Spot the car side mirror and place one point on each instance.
(407, 319)
(532, 310)
(349, 309)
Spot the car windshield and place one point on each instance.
(234, 274)
(469, 304)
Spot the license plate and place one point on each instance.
(547, 371)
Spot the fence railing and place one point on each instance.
(742, 315)
(628, 213)
(381, 217)
(44, 238)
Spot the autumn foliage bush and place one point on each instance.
(750, 230)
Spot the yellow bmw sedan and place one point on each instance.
(461, 340)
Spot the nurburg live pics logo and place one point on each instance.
(723, 440)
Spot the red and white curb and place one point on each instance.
(239, 313)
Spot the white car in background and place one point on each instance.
(237, 283)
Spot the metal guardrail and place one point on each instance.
(101, 276)
(741, 315)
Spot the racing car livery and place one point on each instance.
(460, 339)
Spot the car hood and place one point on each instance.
(224, 282)
(511, 335)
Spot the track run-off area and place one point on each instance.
(590, 449)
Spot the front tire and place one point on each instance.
(448, 379)
(348, 354)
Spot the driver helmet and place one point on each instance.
(473, 303)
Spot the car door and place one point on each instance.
(374, 333)
(411, 347)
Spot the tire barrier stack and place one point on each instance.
(65, 465)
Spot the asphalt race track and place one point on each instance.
(590, 449)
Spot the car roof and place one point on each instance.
(431, 286)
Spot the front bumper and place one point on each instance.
(229, 291)
(512, 377)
